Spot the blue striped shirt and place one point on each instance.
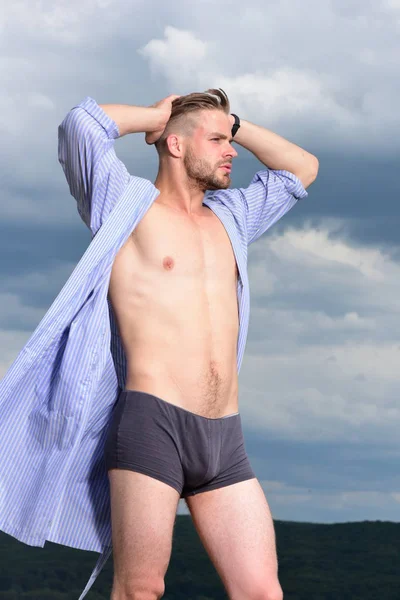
(57, 397)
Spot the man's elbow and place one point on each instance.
(310, 172)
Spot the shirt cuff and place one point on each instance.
(292, 183)
(91, 107)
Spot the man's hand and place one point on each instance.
(150, 120)
(164, 109)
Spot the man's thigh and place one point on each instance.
(236, 528)
(143, 511)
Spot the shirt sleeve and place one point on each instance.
(95, 175)
(270, 195)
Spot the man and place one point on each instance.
(135, 366)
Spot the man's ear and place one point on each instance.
(174, 144)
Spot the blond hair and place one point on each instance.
(183, 115)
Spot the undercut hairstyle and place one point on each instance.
(184, 120)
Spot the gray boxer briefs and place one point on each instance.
(190, 452)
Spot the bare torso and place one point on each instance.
(173, 291)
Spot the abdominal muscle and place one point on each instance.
(173, 292)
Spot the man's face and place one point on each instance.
(208, 149)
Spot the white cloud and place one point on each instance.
(36, 209)
(337, 503)
(46, 282)
(17, 312)
(13, 310)
(317, 249)
(184, 59)
(53, 55)
(325, 368)
(64, 21)
(393, 5)
(331, 264)
(299, 503)
(287, 92)
(302, 96)
(11, 343)
(180, 57)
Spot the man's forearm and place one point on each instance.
(277, 153)
(132, 119)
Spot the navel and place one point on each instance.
(168, 263)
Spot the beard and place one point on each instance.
(204, 176)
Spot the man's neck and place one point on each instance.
(179, 195)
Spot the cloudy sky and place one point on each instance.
(319, 385)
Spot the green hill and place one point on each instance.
(345, 561)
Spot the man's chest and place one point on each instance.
(174, 243)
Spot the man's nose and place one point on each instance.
(231, 152)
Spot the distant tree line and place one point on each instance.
(344, 561)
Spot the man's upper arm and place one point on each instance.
(95, 175)
(270, 195)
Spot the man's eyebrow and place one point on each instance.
(222, 136)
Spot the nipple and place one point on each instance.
(168, 263)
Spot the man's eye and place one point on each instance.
(213, 139)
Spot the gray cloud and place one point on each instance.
(319, 383)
